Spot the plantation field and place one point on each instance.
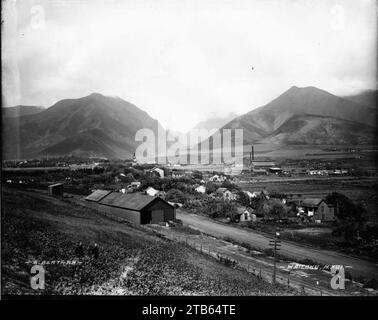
(132, 261)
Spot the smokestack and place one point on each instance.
(253, 153)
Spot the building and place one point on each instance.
(151, 191)
(262, 164)
(226, 194)
(134, 185)
(200, 189)
(317, 209)
(259, 171)
(136, 208)
(264, 194)
(155, 193)
(55, 189)
(157, 172)
(217, 178)
(275, 170)
(318, 172)
(243, 215)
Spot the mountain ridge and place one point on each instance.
(260, 123)
(71, 120)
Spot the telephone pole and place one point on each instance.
(276, 243)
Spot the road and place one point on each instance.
(358, 267)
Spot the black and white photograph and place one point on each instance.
(214, 148)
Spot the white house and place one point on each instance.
(200, 189)
(151, 191)
(159, 171)
(244, 214)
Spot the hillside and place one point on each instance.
(95, 125)
(368, 98)
(19, 111)
(316, 130)
(310, 116)
(215, 122)
(132, 261)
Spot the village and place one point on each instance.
(260, 198)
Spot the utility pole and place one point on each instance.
(276, 243)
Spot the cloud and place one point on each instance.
(182, 61)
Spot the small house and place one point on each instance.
(200, 189)
(243, 214)
(55, 189)
(318, 210)
(151, 191)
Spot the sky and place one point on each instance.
(183, 61)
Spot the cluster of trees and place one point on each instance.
(352, 219)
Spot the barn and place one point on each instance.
(136, 208)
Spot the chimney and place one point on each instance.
(253, 154)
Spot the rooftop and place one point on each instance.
(132, 201)
(97, 195)
(311, 202)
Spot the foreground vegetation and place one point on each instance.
(131, 261)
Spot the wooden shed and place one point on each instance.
(136, 208)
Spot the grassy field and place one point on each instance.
(131, 261)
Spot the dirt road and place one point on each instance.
(355, 266)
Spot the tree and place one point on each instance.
(211, 187)
(175, 195)
(244, 199)
(351, 216)
(216, 208)
(273, 209)
(346, 209)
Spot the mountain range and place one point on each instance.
(215, 122)
(94, 125)
(102, 126)
(19, 111)
(308, 116)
